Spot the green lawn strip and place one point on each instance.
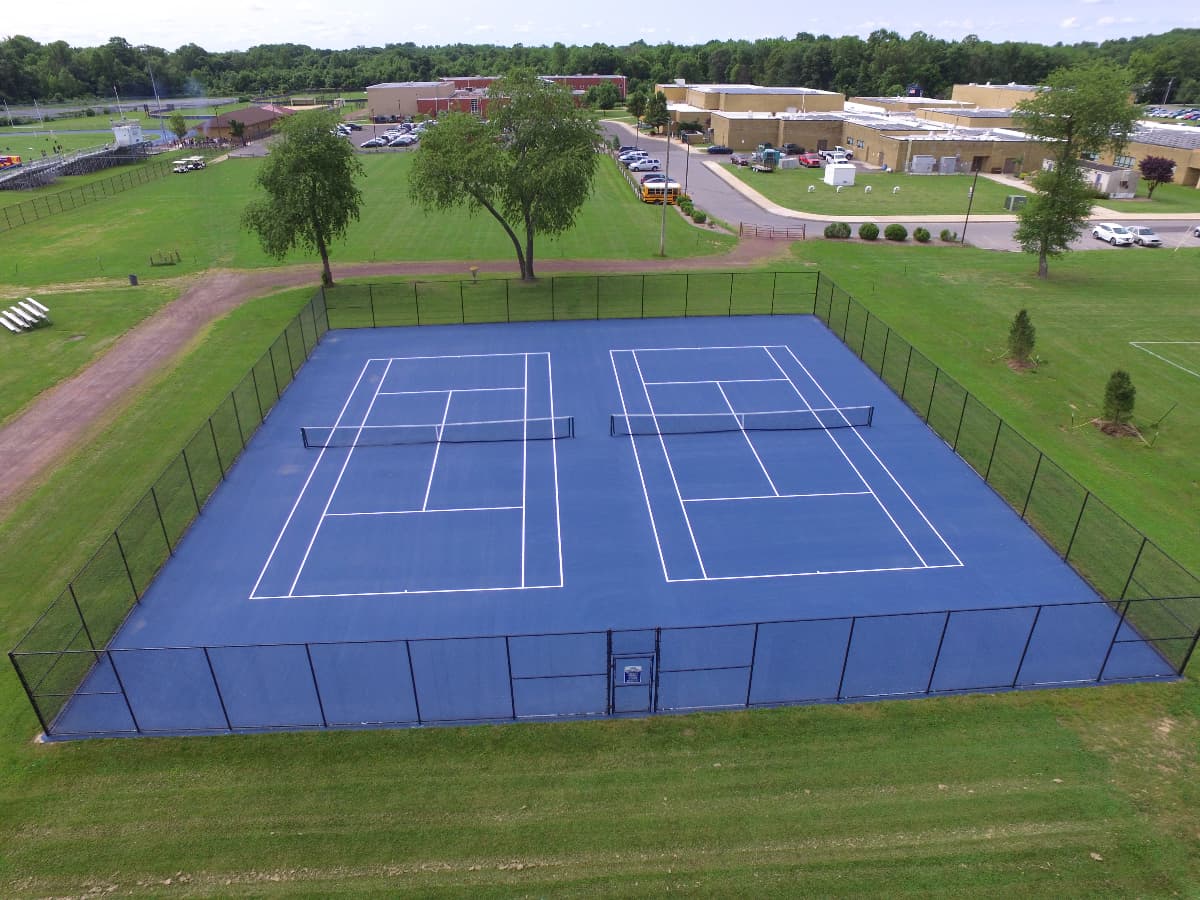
(956, 306)
(1168, 198)
(966, 795)
(84, 323)
(198, 215)
(919, 195)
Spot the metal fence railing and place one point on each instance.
(29, 211)
(1149, 601)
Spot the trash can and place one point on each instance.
(133, 280)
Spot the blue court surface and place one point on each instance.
(491, 522)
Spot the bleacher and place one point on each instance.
(25, 315)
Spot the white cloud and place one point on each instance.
(1070, 22)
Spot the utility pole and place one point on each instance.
(662, 233)
(970, 200)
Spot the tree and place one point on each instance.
(1119, 394)
(1084, 110)
(635, 105)
(530, 166)
(1156, 170)
(656, 114)
(603, 96)
(178, 125)
(309, 178)
(238, 130)
(1054, 216)
(1021, 338)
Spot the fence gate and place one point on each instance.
(633, 672)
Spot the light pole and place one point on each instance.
(970, 200)
(687, 160)
(662, 232)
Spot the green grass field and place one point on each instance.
(198, 214)
(1090, 792)
(918, 194)
(1167, 199)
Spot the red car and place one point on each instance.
(810, 160)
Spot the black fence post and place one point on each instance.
(938, 655)
(412, 679)
(1113, 641)
(1037, 467)
(932, 394)
(187, 467)
(237, 417)
(962, 414)
(128, 571)
(907, 369)
(753, 661)
(1087, 495)
(216, 448)
(995, 443)
(1024, 650)
(1137, 559)
(112, 663)
(846, 657)
(161, 523)
(258, 399)
(312, 669)
(512, 694)
(866, 328)
(217, 687)
(774, 288)
(82, 621)
(887, 336)
(288, 346)
(37, 710)
(417, 302)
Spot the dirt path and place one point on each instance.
(65, 416)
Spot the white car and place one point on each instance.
(632, 156)
(1145, 237)
(1117, 235)
(1196, 231)
(645, 165)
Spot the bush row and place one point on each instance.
(869, 231)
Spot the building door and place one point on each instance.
(977, 163)
(633, 672)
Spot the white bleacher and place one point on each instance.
(25, 315)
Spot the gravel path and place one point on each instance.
(67, 415)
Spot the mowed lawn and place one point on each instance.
(1091, 792)
(918, 195)
(956, 305)
(198, 214)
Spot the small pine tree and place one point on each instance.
(1020, 338)
(1118, 398)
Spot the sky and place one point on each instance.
(239, 24)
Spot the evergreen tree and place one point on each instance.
(1119, 394)
(1021, 338)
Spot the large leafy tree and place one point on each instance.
(1156, 170)
(311, 194)
(1085, 110)
(656, 115)
(530, 166)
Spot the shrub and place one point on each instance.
(837, 230)
(868, 231)
(687, 206)
(1021, 338)
(948, 236)
(921, 235)
(699, 217)
(1119, 394)
(896, 232)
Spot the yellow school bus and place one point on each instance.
(660, 191)
(7, 162)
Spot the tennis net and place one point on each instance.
(624, 425)
(494, 430)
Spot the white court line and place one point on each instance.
(333, 492)
(817, 572)
(437, 449)
(894, 479)
(419, 512)
(443, 390)
(455, 590)
(313, 471)
(670, 467)
(749, 442)
(638, 462)
(1139, 345)
(777, 496)
(524, 465)
(554, 464)
(447, 356)
(719, 381)
(676, 349)
(841, 449)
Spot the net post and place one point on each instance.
(870, 415)
(304, 437)
(612, 425)
(571, 426)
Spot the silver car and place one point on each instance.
(1145, 237)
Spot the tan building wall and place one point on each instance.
(965, 119)
(744, 134)
(1187, 162)
(909, 105)
(400, 99)
(993, 96)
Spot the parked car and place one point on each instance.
(719, 149)
(1117, 235)
(653, 176)
(373, 142)
(353, 126)
(830, 157)
(1196, 231)
(838, 151)
(792, 149)
(402, 140)
(632, 156)
(645, 165)
(809, 160)
(1145, 237)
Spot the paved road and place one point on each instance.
(720, 198)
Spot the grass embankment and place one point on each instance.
(198, 214)
(1167, 199)
(956, 306)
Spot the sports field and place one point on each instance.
(1095, 790)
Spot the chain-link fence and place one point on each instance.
(1146, 625)
(28, 211)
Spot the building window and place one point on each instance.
(475, 105)
(1123, 162)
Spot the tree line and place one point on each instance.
(885, 63)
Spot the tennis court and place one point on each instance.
(490, 522)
